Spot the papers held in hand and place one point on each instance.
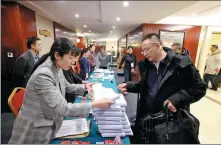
(73, 127)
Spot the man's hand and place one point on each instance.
(85, 82)
(89, 87)
(171, 107)
(123, 88)
(217, 70)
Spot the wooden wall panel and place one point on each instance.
(18, 23)
(28, 25)
(9, 39)
(191, 39)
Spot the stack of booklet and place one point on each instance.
(111, 121)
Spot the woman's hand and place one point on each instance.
(104, 103)
(89, 86)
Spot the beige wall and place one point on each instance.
(45, 24)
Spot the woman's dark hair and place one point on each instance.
(62, 46)
(83, 51)
(91, 45)
(130, 47)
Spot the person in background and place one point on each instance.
(97, 55)
(92, 58)
(44, 106)
(84, 64)
(213, 65)
(166, 79)
(130, 63)
(177, 48)
(24, 64)
(104, 59)
(72, 77)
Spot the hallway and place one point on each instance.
(209, 114)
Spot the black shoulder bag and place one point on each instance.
(182, 128)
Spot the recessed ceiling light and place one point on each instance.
(89, 31)
(85, 26)
(92, 33)
(118, 19)
(194, 14)
(65, 32)
(57, 30)
(77, 15)
(125, 3)
(110, 31)
(113, 27)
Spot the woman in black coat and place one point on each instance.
(130, 63)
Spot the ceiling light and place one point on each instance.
(76, 15)
(65, 32)
(113, 27)
(194, 14)
(85, 26)
(89, 31)
(57, 30)
(110, 31)
(125, 3)
(92, 33)
(118, 19)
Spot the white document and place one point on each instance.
(109, 114)
(113, 134)
(110, 127)
(100, 122)
(111, 131)
(72, 127)
(111, 108)
(108, 118)
(108, 93)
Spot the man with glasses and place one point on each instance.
(166, 79)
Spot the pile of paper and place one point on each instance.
(103, 71)
(111, 121)
(73, 127)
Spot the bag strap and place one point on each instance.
(166, 112)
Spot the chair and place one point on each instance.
(15, 100)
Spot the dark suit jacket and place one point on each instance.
(23, 68)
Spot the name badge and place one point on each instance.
(132, 64)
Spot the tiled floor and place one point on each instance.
(215, 95)
(209, 114)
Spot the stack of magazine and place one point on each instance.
(111, 121)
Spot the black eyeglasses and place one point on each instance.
(145, 50)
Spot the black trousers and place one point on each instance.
(127, 74)
(209, 77)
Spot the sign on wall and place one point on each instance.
(170, 37)
(45, 33)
